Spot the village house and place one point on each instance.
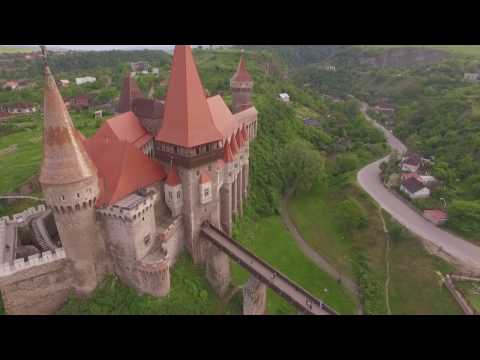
(63, 83)
(140, 66)
(471, 76)
(284, 97)
(411, 163)
(415, 189)
(18, 108)
(10, 85)
(85, 80)
(80, 102)
(438, 217)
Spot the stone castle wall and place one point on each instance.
(39, 286)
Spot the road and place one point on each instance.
(369, 179)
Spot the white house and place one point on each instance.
(471, 76)
(85, 80)
(285, 97)
(156, 71)
(411, 164)
(415, 189)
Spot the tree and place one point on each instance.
(351, 216)
(464, 216)
(302, 165)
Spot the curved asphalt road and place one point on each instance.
(369, 179)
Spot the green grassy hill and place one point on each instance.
(344, 140)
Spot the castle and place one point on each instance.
(132, 197)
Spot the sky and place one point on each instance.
(110, 47)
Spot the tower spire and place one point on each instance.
(65, 160)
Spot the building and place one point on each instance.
(10, 85)
(80, 102)
(414, 188)
(284, 97)
(411, 163)
(471, 76)
(85, 80)
(130, 199)
(19, 108)
(64, 83)
(140, 66)
(438, 217)
(156, 71)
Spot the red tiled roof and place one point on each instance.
(242, 74)
(188, 121)
(222, 116)
(130, 92)
(173, 179)
(65, 159)
(406, 176)
(204, 178)
(124, 127)
(437, 215)
(122, 169)
(227, 153)
(413, 185)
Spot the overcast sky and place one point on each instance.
(110, 47)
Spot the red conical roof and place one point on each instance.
(130, 92)
(242, 74)
(234, 145)
(187, 121)
(65, 159)
(227, 153)
(173, 179)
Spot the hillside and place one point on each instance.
(320, 162)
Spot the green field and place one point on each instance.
(12, 50)
(414, 286)
(25, 132)
(269, 239)
(471, 291)
(190, 295)
(467, 50)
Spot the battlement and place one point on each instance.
(130, 209)
(24, 216)
(33, 261)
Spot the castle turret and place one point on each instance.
(130, 92)
(70, 186)
(241, 85)
(173, 192)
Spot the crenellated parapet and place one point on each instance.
(132, 214)
(24, 216)
(19, 265)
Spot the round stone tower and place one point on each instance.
(241, 85)
(70, 187)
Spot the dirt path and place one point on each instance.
(321, 262)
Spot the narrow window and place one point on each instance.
(170, 195)
(147, 239)
(179, 195)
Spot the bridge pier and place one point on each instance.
(218, 270)
(254, 297)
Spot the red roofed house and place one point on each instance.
(132, 197)
(438, 217)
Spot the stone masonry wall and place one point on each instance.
(39, 286)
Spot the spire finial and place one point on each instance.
(43, 48)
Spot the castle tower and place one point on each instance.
(70, 186)
(130, 92)
(191, 139)
(241, 85)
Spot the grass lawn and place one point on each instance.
(269, 239)
(25, 162)
(190, 295)
(471, 291)
(414, 287)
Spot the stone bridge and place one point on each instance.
(263, 275)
